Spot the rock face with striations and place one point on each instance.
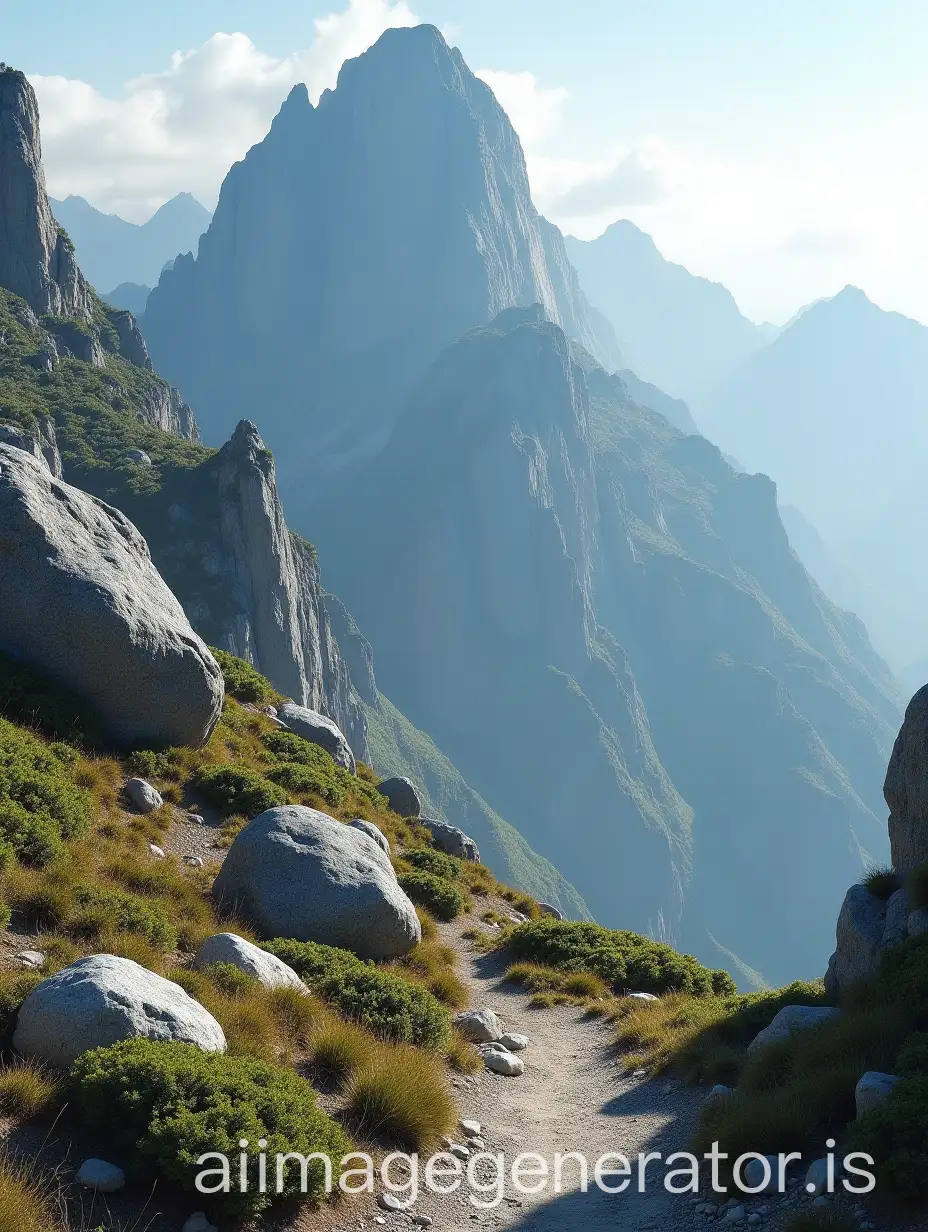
(36, 257)
(557, 580)
(219, 537)
(402, 205)
(83, 601)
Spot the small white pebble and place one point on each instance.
(194, 861)
(156, 851)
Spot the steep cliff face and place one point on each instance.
(36, 257)
(352, 244)
(604, 627)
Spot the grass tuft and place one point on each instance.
(400, 1098)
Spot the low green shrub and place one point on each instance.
(382, 1001)
(170, 1103)
(895, 1134)
(40, 804)
(297, 779)
(244, 682)
(443, 898)
(239, 792)
(626, 961)
(428, 860)
(100, 910)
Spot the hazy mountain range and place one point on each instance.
(111, 251)
(676, 330)
(596, 617)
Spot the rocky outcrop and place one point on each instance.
(860, 931)
(295, 872)
(83, 600)
(401, 795)
(219, 536)
(36, 257)
(451, 840)
(906, 787)
(792, 1019)
(298, 262)
(318, 729)
(103, 999)
(40, 441)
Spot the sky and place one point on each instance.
(778, 147)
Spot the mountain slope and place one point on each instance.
(605, 628)
(80, 392)
(352, 244)
(677, 331)
(111, 251)
(833, 410)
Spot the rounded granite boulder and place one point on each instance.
(402, 796)
(318, 729)
(104, 999)
(83, 601)
(296, 872)
(250, 959)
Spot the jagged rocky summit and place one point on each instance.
(352, 244)
(36, 257)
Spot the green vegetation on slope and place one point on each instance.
(626, 962)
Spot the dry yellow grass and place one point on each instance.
(27, 1089)
(28, 1203)
(400, 1097)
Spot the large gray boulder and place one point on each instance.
(372, 831)
(906, 787)
(250, 959)
(451, 840)
(859, 935)
(402, 796)
(792, 1019)
(83, 601)
(104, 999)
(318, 729)
(296, 872)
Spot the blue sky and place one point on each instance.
(776, 147)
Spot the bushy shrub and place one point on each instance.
(170, 1103)
(429, 860)
(896, 1135)
(237, 791)
(297, 780)
(40, 804)
(626, 961)
(382, 1001)
(244, 682)
(101, 910)
(443, 898)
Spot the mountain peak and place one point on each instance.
(36, 257)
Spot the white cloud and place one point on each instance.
(181, 129)
(536, 112)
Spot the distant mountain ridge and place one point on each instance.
(677, 331)
(111, 251)
(834, 410)
(598, 619)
